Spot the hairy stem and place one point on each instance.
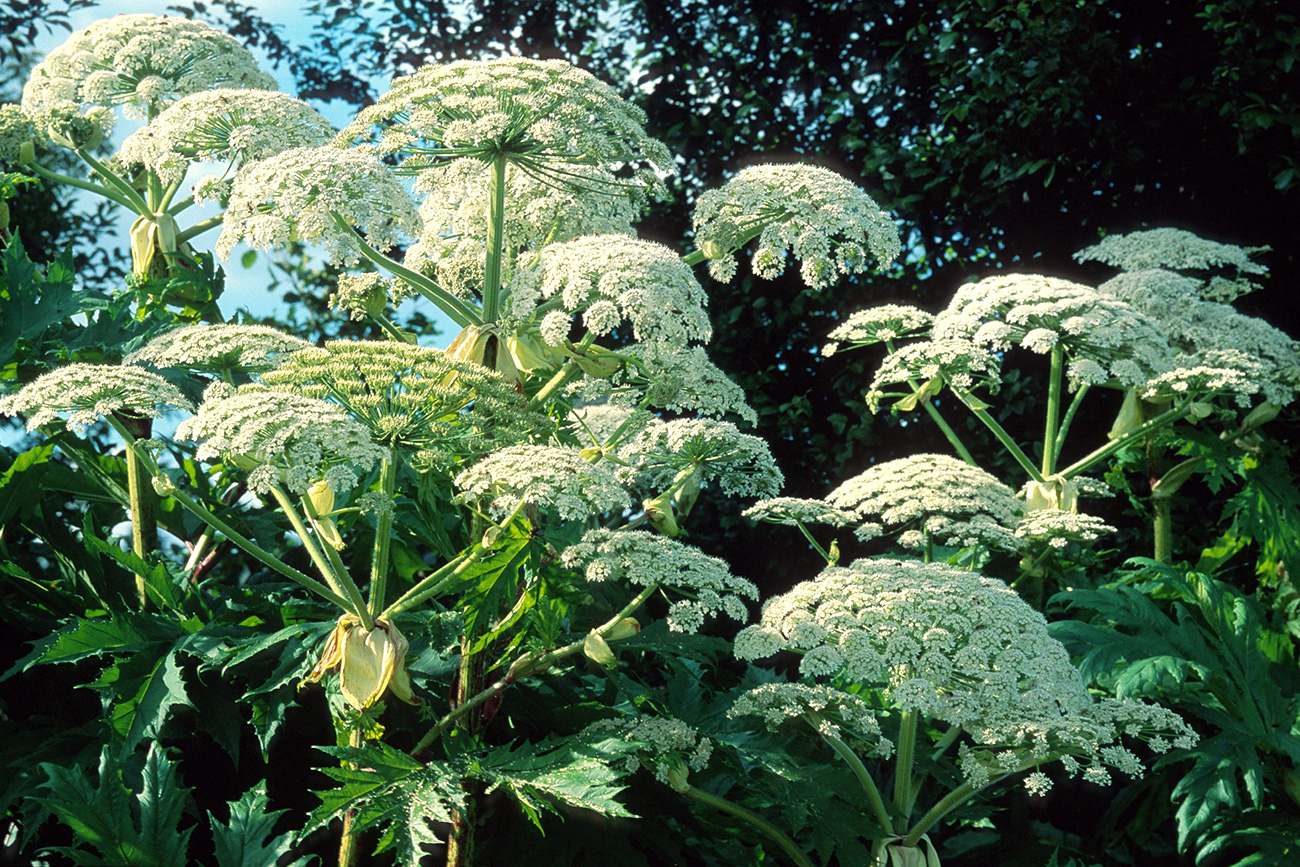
(903, 768)
(1075, 403)
(348, 849)
(457, 310)
(144, 501)
(383, 535)
(341, 584)
(495, 239)
(199, 228)
(134, 199)
(956, 798)
(1003, 437)
(90, 186)
(1145, 429)
(1053, 409)
(874, 799)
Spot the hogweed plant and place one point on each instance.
(495, 511)
(476, 532)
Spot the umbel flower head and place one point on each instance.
(713, 451)
(829, 710)
(667, 747)
(792, 511)
(369, 662)
(16, 129)
(613, 278)
(1173, 249)
(413, 396)
(933, 496)
(1038, 313)
(318, 194)
(961, 649)
(883, 324)
(224, 125)
(218, 348)
(141, 63)
(958, 363)
(87, 391)
(549, 478)
(826, 221)
(453, 246)
(281, 437)
(543, 115)
(672, 377)
(645, 558)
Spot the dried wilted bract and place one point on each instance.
(370, 662)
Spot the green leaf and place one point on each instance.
(83, 638)
(101, 813)
(245, 840)
(140, 716)
(162, 802)
(577, 774)
(30, 301)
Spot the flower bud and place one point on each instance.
(1129, 417)
(26, 153)
(4, 214)
(77, 131)
(712, 250)
(625, 628)
(678, 776)
(686, 495)
(660, 513)
(1260, 415)
(598, 366)
(530, 353)
(597, 649)
(591, 454)
(163, 486)
(321, 496)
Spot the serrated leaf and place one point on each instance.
(578, 775)
(162, 802)
(32, 301)
(246, 839)
(83, 638)
(102, 817)
(162, 689)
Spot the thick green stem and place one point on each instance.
(1075, 403)
(433, 584)
(348, 848)
(816, 546)
(1164, 529)
(874, 799)
(144, 501)
(342, 583)
(568, 372)
(1057, 375)
(1003, 437)
(90, 186)
(137, 202)
(765, 827)
(457, 310)
(955, 799)
(903, 796)
(383, 535)
(496, 233)
(199, 228)
(1143, 430)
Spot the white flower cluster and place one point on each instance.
(664, 743)
(645, 558)
(297, 194)
(818, 215)
(549, 478)
(223, 125)
(15, 129)
(741, 464)
(960, 648)
(281, 437)
(87, 391)
(959, 363)
(931, 495)
(677, 378)
(791, 511)
(218, 348)
(1174, 249)
(886, 323)
(601, 421)
(542, 114)
(453, 247)
(368, 294)
(612, 278)
(138, 62)
(412, 396)
(1038, 313)
(777, 703)
(1057, 527)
